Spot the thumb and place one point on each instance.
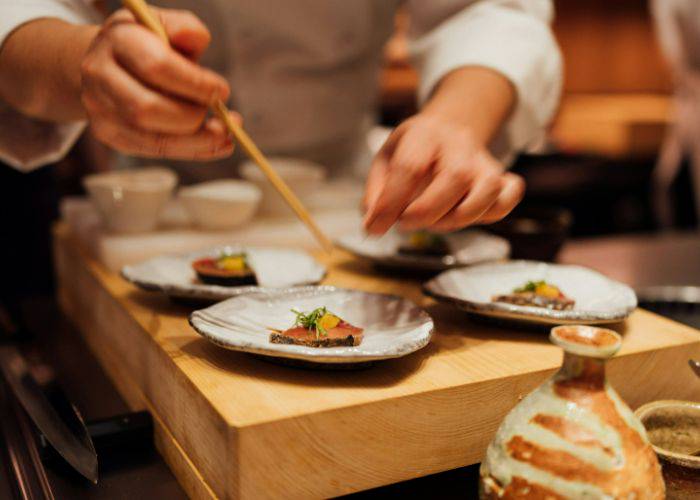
(187, 33)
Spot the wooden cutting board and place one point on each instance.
(233, 426)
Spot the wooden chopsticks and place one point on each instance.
(143, 14)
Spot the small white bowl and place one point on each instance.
(131, 201)
(222, 204)
(302, 176)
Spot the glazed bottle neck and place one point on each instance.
(584, 369)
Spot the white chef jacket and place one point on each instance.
(304, 73)
(678, 30)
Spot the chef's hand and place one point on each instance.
(432, 174)
(435, 171)
(145, 98)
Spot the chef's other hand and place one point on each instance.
(431, 174)
(145, 98)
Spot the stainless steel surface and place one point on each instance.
(695, 366)
(670, 293)
(641, 261)
(28, 479)
(73, 444)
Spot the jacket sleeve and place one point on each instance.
(511, 37)
(27, 143)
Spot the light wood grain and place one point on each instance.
(252, 429)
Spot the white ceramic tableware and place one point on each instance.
(393, 326)
(221, 204)
(598, 299)
(131, 201)
(273, 267)
(303, 177)
(466, 248)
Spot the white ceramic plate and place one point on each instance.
(393, 326)
(274, 268)
(466, 248)
(598, 298)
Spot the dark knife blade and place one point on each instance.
(72, 443)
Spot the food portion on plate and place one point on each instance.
(317, 324)
(426, 251)
(318, 328)
(424, 243)
(537, 294)
(534, 292)
(225, 271)
(228, 269)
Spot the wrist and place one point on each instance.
(81, 38)
(476, 99)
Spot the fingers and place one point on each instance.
(158, 66)
(512, 192)
(376, 179)
(479, 199)
(145, 98)
(187, 33)
(110, 92)
(207, 144)
(452, 179)
(406, 174)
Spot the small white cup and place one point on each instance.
(221, 204)
(131, 201)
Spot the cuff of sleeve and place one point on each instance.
(27, 144)
(517, 45)
(16, 13)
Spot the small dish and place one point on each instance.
(302, 176)
(131, 201)
(393, 326)
(274, 268)
(222, 204)
(598, 299)
(466, 248)
(673, 428)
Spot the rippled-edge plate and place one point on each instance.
(598, 298)
(393, 326)
(274, 268)
(466, 248)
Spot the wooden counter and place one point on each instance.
(234, 426)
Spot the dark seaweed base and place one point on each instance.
(279, 338)
(436, 251)
(246, 279)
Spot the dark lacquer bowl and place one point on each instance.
(535, 233)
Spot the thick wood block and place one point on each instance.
(234, 426)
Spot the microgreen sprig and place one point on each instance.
(311, 321)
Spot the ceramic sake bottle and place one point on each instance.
(573, 437)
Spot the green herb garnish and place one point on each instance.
(312, 320)
(530, 286)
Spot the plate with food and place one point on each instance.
(535, 292)
(223, 272)
(318, 324)
(423, 250)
